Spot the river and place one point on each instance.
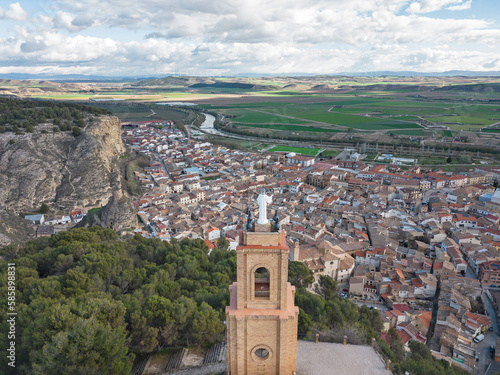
(208, 127)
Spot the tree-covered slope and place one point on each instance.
(86, 301)
(24, 115)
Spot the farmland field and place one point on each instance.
(357, 122)
(292, 128)
(64, 96)
(316, 112)
(330, 109)
(465, 120)
(253, 117)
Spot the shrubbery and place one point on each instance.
(16, 114)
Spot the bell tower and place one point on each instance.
(261, 318)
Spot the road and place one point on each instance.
(482, 351)
(482, 347)
(490, 337)
(379, 306)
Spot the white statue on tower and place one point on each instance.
(262, 201)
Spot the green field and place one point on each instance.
(462, 120)
(65, 96)
(491, 130)
(298, 150)
(378, 110)
(293, 128)
(353, 121)
(252, 117)
(447, 133)
(132, 112)
(289, 113)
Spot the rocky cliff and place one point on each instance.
(60, 170)
(117, 214)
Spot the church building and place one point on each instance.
(261, 318)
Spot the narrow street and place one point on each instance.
(163, 166)
(435, 303)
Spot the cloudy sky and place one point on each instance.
(230, 37)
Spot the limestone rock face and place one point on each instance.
(117, 214)
(14, 229)
(60, 170)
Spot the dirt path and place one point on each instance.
(214, 368)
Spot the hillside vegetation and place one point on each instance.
(24, 115)
(88, 302)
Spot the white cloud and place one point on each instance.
(72, 22)
(238, 36)
(426, 6)
(463, 6)
(14, 12)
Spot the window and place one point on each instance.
(262, 283)
(262, 353)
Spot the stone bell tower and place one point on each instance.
(261, 318)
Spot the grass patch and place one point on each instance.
(447, 133)
(95, 210)
(298, 150)
(432, 160)
(370, 157)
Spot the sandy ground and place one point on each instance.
(194, 357)
(337, 359)
(157, 365)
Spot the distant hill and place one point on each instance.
(226, 85)
(382, 87)
(480, 87)
(68, 77)
(321, 87)
(291, 86)
(171, 81)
